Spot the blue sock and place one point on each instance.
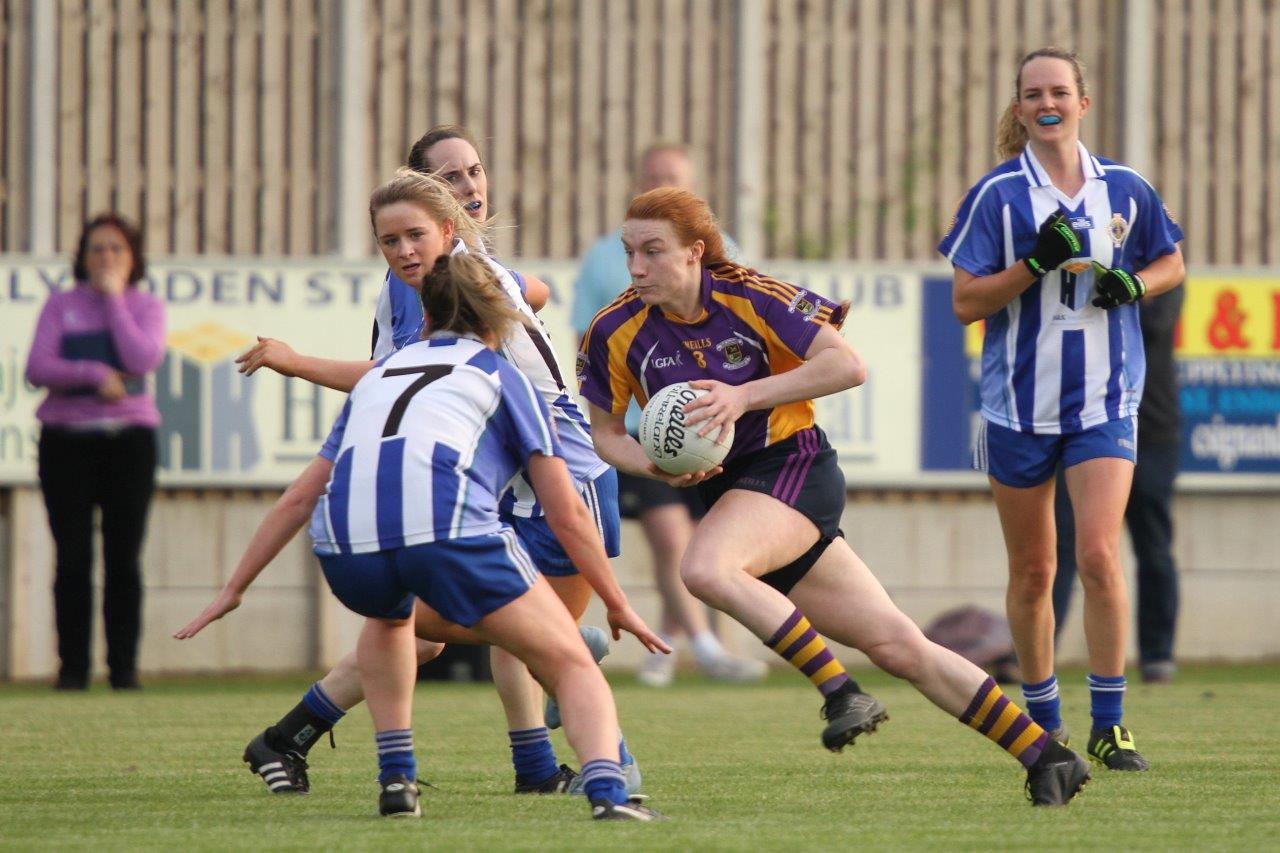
(319, 703)
(1043, 704)
(395, 754)
(1106, 700)
(602, 780)
(533, 756)
(624, 757)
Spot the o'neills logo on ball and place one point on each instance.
(669, 423)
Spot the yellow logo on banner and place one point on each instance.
(1230, 318)
(208, 342)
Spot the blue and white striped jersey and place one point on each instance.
(1051, 362)
(428, 441)
(398, 321)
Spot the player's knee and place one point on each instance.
(704, 578)
(900, 657)
(565, 662)
(1030, 581)
(428, 651)
(1099, 567)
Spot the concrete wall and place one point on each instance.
(932, 551)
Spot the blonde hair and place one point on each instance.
(1011, 136)
(461, 294)
(436, 199)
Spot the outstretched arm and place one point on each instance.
(281, 524)
(572, 523)
(280, 357)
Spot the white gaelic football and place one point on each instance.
(671, 445)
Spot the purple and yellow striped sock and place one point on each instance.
(992, 714)
(801, 646)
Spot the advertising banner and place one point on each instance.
(1229, 375)
(220, 428)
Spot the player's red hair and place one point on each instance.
(690, 216)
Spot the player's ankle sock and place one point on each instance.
(800, 646)
(602, 779)
(1043, 703)
(1106, 700)
(395, 754)
(532, 755)
(624, 757)
(706, 647)
(992, 714)
(309, 720)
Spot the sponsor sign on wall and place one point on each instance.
(1229, 375)
(218, 427)
(911, 424)
(222, 428)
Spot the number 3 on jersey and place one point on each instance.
(700, 358)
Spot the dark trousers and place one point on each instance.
(1150, 524)
(116, 472)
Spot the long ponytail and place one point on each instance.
(461, 294)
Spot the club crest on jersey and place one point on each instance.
(1119, 230)
(580, 367)
(803, 304)
(731, 351)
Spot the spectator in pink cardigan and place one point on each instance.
(94, 346)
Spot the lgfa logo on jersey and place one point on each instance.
(734, 357)
(1119, 230)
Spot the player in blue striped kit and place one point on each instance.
(1053, 249)
(422, 451)
(282, 748)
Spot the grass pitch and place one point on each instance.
(734, 767)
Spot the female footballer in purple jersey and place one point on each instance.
(1053, 249)
(763, 350)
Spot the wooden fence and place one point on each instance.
(215, 122)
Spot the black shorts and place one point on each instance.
(804, 473)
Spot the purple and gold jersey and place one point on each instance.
(752, 326)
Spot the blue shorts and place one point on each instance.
(601, 497)
(1023, 459)
(463, 580)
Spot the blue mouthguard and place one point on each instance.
(1045, 121)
